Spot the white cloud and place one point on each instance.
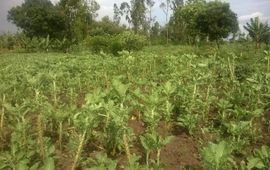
(245, 18)
(253, 15)
(105, 11)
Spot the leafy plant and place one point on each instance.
(218, 156)
(260, 160)
(102, 162)
(188, 121)
(153, 142)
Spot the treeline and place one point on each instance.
(70, 24)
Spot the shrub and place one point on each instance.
(99, 43)
(131, 42)
(127, 40)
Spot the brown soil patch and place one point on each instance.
(64, 161)
(137, 126)
(180, 153)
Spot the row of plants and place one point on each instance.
(128, 41)
(81, 105)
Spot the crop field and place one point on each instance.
(152, 109)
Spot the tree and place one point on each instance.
(137, 14)
(117, 13)
(183, 21)
(150, 4)
(175, 4)
(165, 6)
(105, 27)
(217, 21)
(257, 31)
(126, 10)
(38, 18)
(79, 14)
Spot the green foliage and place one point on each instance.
(87, 103)
(260, 159)
(38, 18)
(218, 156)
(102, 162)
(188, 121)
(257, 31)
(113, 44)
(153, 142)
(217, 20)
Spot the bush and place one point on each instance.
(99, 43)
(128, 41)
(131, 42)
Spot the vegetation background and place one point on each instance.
(78, 93)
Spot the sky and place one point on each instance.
(245, 10)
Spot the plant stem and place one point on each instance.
(80, 147)
(125, 139)
(268, 65)
(3, 113)
(147, 158)
(194, 92)
(54, 93)
(60, 135)
(40, 137)
(158, 156)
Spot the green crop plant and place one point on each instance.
(267, 58)
(117, 131)
(102, 162)
(153, 142)
(260, 160)
(218, 156)
(188, 121)
(84, 121)
(224, 107)
(241, 132)
(60, 116)
(169, 90)
(121, 90)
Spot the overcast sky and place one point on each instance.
(245, 10)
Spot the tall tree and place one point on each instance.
(117, 13)
(79, 14)
(38, 18)
(138, 12)
(257, 31)
(165, 6)
(183, 21)
(217, 21)
(175, 4)
(126, 10)
(150, 4)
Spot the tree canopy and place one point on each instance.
(38, 18)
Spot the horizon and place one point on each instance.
(245, 10)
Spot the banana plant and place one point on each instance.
(218, 156)
(153, 142)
